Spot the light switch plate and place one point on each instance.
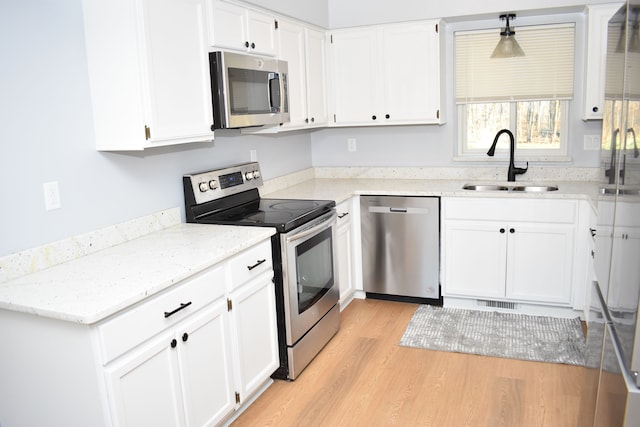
(51, 195)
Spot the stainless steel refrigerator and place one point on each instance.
(613, 340)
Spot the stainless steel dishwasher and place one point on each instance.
(401, 247)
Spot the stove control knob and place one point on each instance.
(248, 176)
(203, 187)
(213, 184)
(256, 174)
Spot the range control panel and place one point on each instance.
(214, 184)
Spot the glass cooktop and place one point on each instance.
(283, 214)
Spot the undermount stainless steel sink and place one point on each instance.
(535, 188)
(519, 188)
(477, 187)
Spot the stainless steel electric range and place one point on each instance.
(303, 249)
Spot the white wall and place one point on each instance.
(46, 134)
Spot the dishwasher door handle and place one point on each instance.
(389, 209)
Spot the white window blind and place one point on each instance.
(545, 72)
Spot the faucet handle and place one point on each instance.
(520, 171)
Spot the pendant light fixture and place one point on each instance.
(507, 47)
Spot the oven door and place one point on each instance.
(309, 273)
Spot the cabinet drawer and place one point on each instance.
(344, 212)
(140, 323)
(490, 209)
(250, 263)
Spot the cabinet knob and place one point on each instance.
(185, 337)
(212, 128)
(386, 116)
(174, 343)
(313, 119)
(512, 230)
(594, 109)
(253, 45)
(246, 44)
(502, 230)
(306, 120)
(373, 117)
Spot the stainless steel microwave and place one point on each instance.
(248, 90)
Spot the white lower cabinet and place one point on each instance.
(345, 251)
(254, 327)
(190, 355)
(202, 368)
(182, 377)
(514, 250)
(623, 241)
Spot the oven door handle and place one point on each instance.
(313, 229)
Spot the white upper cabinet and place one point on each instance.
(411, 72)
(355, 78)
(596, 55)
(304, 50)
(386, 75)
(237, 28)
(148, 72)
(316, 77)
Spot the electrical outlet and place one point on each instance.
(51, 195)
(592, 142)
(351, 144)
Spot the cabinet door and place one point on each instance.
(475, 254)
(410, 73)
(178, 90)
(144, 387)
(254, 322)
(316, 77)
(625, 276)
(205, 354)
(291, 39)
(596, 58)
(355, 73)
(540, 262)
(345, 262)
(261, 31)
(228, 26)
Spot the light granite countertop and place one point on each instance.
(340, 189)
(93, 287)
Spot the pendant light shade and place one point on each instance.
(507, 47)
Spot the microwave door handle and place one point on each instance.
(274, 92)
(312, 230)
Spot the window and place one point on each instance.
(528, 95)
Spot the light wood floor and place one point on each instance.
(363, 378)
